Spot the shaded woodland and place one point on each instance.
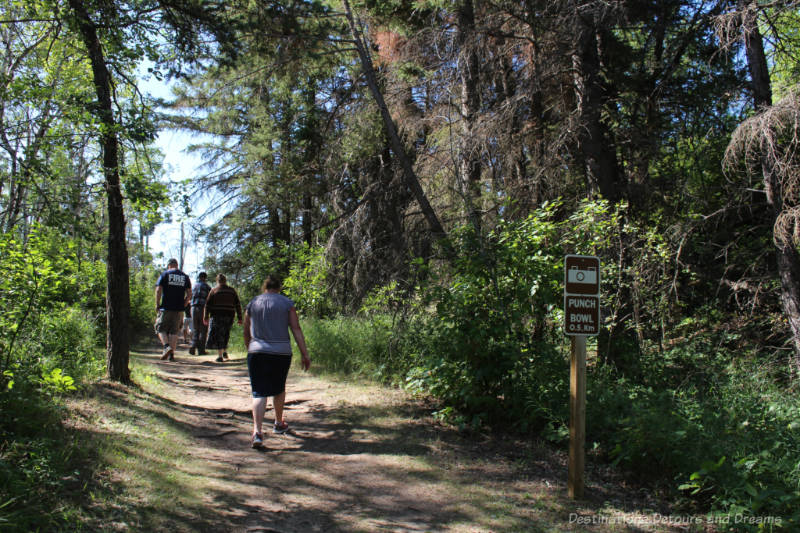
(417, 171)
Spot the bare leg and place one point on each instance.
(259, 408)
(173, 342)
(277, 404)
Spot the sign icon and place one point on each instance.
(581, 295)
(575, 275)
(582, 275)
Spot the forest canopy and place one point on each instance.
(419, 169)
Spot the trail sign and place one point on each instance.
(581, 315)
(581, 274)
(581, 295)
(581, 318)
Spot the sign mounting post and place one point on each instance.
(581, 318)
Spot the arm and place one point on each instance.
(206, 308)
(238, 308)
(246, 330)
(294, 325)
(187, 297)
(158, 296)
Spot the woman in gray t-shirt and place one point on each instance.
(267, 321)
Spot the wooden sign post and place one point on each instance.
(577, 416)
(581, 318)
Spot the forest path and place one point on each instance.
(359, 457)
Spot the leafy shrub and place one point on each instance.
(754, 469)
(142, 313)
(486, 350)
(306, 281)
(68, 340)
(350, 345)
(30, 281)
(49, 318)
(723, 430)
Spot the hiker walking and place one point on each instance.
(222, 305)
(199, 329)
(173, 293)
(267, 321)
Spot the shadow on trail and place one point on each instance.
(342, 467)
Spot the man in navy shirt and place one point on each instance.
(173, 294)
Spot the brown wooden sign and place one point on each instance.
(581, 295)
(581, 314)
(581, 318)
(581, 275)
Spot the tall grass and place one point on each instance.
(351, 345)
(42, 466)
(721, 429)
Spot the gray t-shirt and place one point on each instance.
(269, 324)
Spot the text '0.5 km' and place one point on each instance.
(581, 295)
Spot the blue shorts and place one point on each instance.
(268, 373)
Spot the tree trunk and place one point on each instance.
(469, 165)
(307, 227)
(787, 257)
(595, 148)
(520, 190)
(117, 270)
(410, 177)
(183, 246)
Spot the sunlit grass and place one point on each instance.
(375, 449)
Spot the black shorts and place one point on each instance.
(268, 373)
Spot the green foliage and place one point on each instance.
(719, 425)
(492, 347)
(41, 476)
(67, 340)
(484, 350)
(58, 382)
(306, 282)
(754, 469)
(29, 283)
(354, 346)
(142, 314)
(46, 294)
(53, 314)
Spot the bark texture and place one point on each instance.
(117, 268)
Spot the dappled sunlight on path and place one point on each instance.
(357, 458)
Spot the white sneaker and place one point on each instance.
(167, 353)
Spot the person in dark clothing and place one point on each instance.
(222, 306)
(173, 293)
(199, 329)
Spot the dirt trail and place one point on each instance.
(363, 458)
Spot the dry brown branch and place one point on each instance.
(773, 137)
